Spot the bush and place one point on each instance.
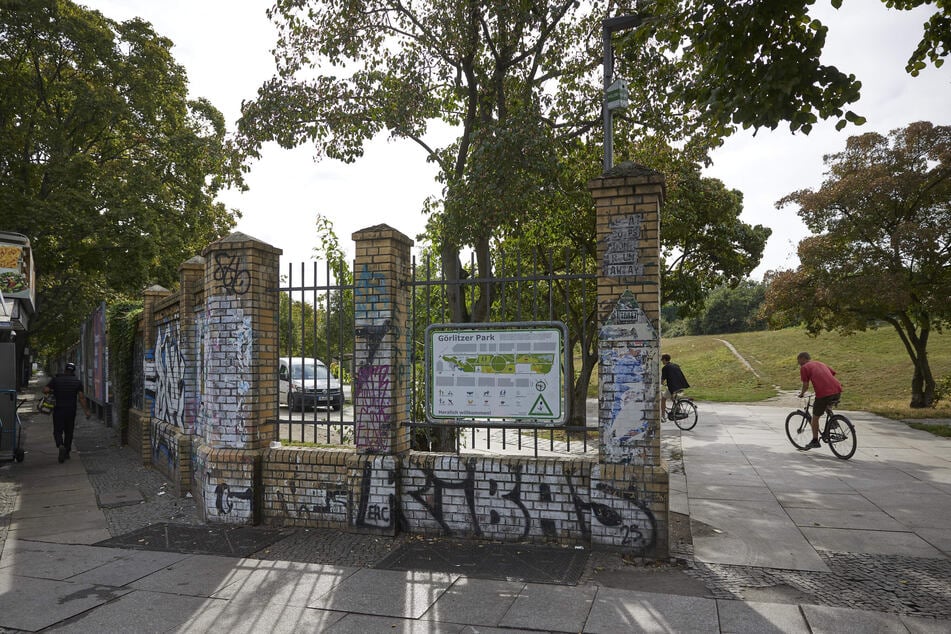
(942, 390)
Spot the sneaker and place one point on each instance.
(62, 453)
(814, 444)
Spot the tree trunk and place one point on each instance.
(480, 310)
(589, 357)
(923, 384)
(915, 340)
(452, 273)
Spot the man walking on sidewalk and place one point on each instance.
(66, 388)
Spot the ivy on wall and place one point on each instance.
(123, 321)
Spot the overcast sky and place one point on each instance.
(225, 47)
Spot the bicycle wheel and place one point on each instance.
(798, 429)
(685, 414)
(841, 436)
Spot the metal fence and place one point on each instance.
(317, 324)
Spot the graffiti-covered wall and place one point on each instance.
(213, 399)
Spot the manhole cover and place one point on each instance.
(532, 563)
(236, 541)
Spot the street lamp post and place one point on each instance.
(609, 26)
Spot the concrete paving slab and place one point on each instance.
(285, 582)
(130, 566)
(475, 601)
(836, 518)
(395, 593)
(749, 533)
(918, 625)
(140, 612)
(264, 615)
(363, 623)
(730, 492)
(34, 604)
(823, 619)
(819, 500)
(782, 481)
(750, 617)
(197, 575)
(654, 580)
(872, 542)
(925, 511)
(940, 538)
(81, 527)
(33, 503)
(547, 607)
(619, 611)
(53, 561)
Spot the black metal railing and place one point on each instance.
(317, 324)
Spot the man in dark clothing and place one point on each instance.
(65, 388)
(673, 378)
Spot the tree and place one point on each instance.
(104, 163)
(518, 81)
(882, 252)
(733, 309)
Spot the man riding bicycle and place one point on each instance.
(827, 388)
(672, 377)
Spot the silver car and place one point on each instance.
(308, 383)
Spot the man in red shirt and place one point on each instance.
(827, 388)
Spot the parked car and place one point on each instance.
(308, 383)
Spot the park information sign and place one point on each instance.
(512, 372)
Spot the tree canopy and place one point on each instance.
(882, 249)
(521, 83)
(105, 164)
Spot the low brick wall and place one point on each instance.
(564, 500)
(171, 454)
(138, 434)
(306, 487)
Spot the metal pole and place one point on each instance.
(608, 123)
(609, 26)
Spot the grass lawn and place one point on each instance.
(873, 366)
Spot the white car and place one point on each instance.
(308, 383)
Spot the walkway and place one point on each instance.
(782, 542)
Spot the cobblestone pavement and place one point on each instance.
(902, 585)
(885, 583)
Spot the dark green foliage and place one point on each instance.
(105, 164)
(123, 320)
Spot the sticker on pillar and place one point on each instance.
(628, 346)
(622, 257)
(512, 372)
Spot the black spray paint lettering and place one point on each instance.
(223, 497)
(234, 280)
(633, 520)
(370, 514)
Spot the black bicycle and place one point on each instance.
(838, 432)
(683, 412)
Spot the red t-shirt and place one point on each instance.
(822, 377)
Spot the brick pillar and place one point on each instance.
(139, 436)
(382, 270)
(191, 275)
(237, 369)
(628, 200)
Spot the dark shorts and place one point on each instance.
(820, 405)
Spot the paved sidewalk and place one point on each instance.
(779, 541)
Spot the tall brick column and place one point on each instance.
(237, 377)
(382, 270)
(138, 433)
(628, 200)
